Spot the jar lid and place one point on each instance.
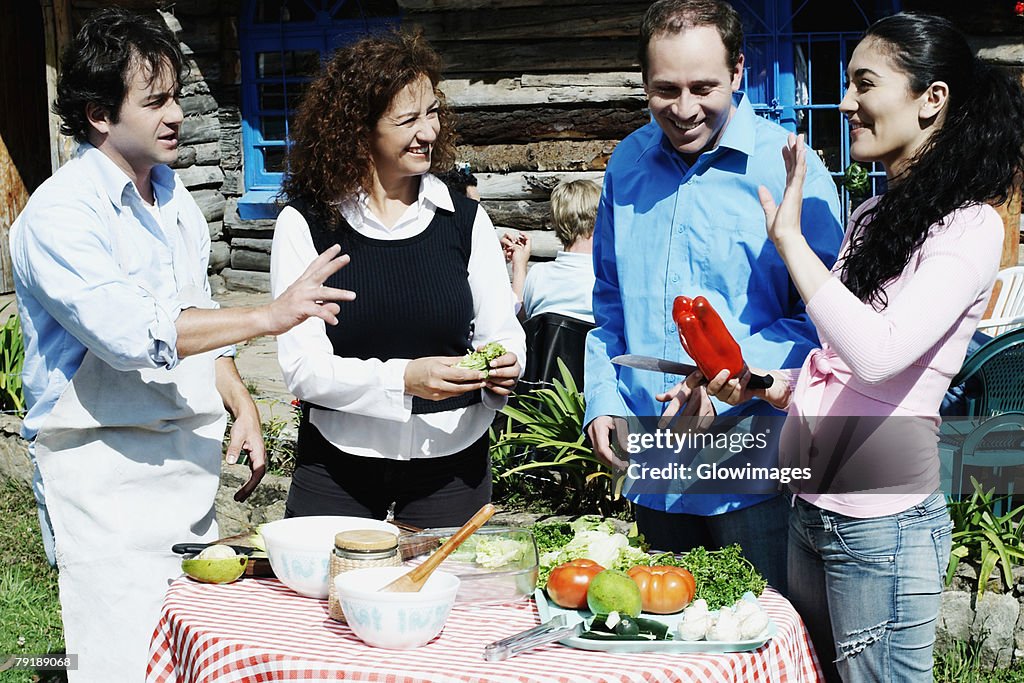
(366, 539)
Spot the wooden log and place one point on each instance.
(547, 123)
(233, 185)
(494, 186)
(467, 93)
(262, 228)
(553, 155)
(246, 280)
(196, 129)
(186, 157)
(211, 203)
(201, 176)
(57, 34)
(521, 214)
(13, 197)
(556, 21)
(207, 152)
(538, 56)
(220, 257)
(242, 259)
(252, 244)
(198, 104)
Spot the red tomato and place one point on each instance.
(568, 582)
(663, 589)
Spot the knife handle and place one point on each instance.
(760, 381)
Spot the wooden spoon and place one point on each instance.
(413, 580)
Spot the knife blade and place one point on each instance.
(668, 367)
(671, 367)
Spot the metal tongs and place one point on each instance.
(552, 630)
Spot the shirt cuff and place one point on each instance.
(492, 400)
(163, 335)
(393, 383)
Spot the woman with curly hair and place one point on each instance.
(389, 420)
(870, 539)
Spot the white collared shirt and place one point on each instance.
(93, 269)
(371, 415)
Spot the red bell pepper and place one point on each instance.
(705, 337)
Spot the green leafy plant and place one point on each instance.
(544, 435)
(12, 357)
(856, 180)
(984, 538)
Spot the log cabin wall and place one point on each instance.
(543, 89)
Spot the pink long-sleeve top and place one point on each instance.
(897, 361)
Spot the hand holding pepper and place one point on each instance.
(708, 341)
(705, 337)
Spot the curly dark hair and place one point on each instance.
(329, 159)
(675, 16)
(972, 158)
(99, 62)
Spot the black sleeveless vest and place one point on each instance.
(412, 295)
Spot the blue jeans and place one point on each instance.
(869, 590)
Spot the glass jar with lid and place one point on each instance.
(356, 549)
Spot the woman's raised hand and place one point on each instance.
(783, 221)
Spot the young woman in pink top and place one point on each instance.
(870, 539)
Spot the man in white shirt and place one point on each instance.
(128, 365)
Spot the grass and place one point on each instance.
(962, 665)
(29, 607)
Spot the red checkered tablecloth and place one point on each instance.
(258, 630)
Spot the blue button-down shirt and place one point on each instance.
(93, 269)
(665, 229)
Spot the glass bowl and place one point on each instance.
(496, 565)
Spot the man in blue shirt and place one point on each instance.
(128, 367)
(680, 215)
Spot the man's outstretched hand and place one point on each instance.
(307, 297)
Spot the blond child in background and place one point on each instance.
(566, 284)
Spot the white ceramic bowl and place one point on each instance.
(397, 621)
(300, 548)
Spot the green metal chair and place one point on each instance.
(994, 390)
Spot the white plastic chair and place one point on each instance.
(1008, 312)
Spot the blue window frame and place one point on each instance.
(796, 55)
(282, 44)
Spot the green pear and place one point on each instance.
(216, 570)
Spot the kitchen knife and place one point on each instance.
(192, 548)
(671, 367)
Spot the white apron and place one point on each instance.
(130, 462)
